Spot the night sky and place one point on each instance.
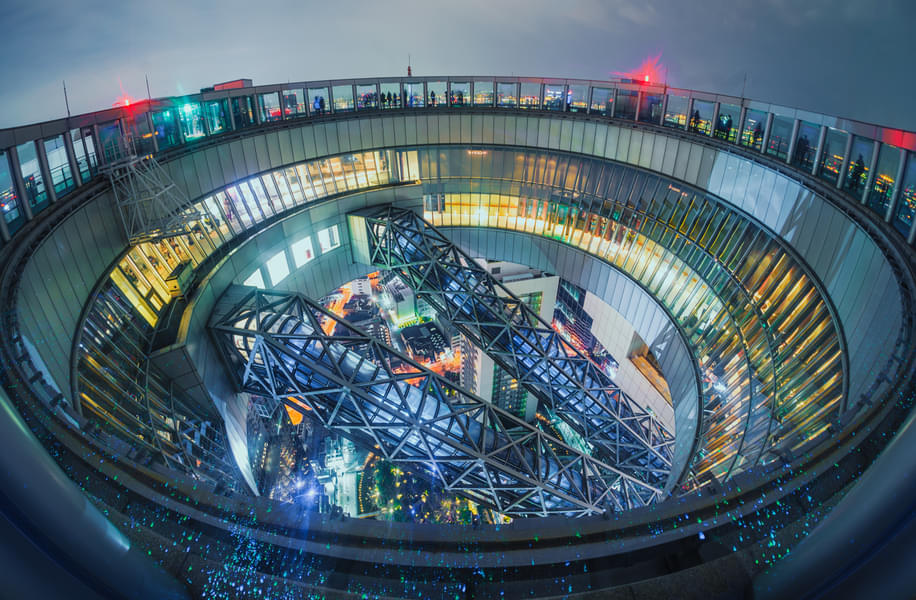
(851, 58)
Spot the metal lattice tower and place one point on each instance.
(150, 204)
(288, 347)
(619, 430)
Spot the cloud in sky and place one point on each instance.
(843, 57)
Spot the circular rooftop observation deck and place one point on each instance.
(764, 254)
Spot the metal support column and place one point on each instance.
(796, 124)
(846, 156)
(71, 157)
(45, 170)
(766, 133)
(819, 153)
(873, 168)
(898, 179)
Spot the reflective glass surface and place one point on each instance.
(269, 107)
(191, 119)
(507, 95)
(436, 92)
(859, 164)
(343, 98)
(460, 93)
(530, 95)
(294, 103)
(216, 116)
(9, 199)
(554, 96)
(882, 188)
(391, 95)
(780, 136)
(602, 101)
(483, 93)
(366, 97)
(832, 156)
(577, 98)
(752, 129)
(35, 192)
(242, 111)
(701, 118)
(676, 112)
(319, 101)
(650, 111)
(58, 165)
(805, 145)
(906, 202)
(726, 126)
(84, 151)
(626, 104)
(413, 91)
(166, 126)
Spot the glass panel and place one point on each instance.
(277, 267)
(650, 110)
(9, 200)
(506, 95)
(626, 104)
(676, 112)
(879, 196)
(343, 98)
(302, 251)
(318, 100)
(328, 239)
(391, 95)
(726, 123)
(460, 93)
(554, 96)
(436, 91)
(806, 145)
(294, 103)
(191, 119)
(701, 117)
(216, 116)
(530, 95)
(110, 140)
(906, 203)
(832, 155)
(166, 129)
(84, 151)
(577, 98)
(255, 280)
(366, 97)
(483, 93)
(269, 106)
(242, 112)
(755, 121)
(35, 191)
(859, 164)
(602, 101)
(780, 134)
(59, 166)
(413, 91)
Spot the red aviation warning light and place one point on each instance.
(650, 71)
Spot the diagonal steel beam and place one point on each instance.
(515, 337)
(276, 345)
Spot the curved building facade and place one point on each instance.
(764, 254)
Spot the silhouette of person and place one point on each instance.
(321, 104)
(855, 175)
(758, 134)
(801, 149)
(695, 120)
(432, 98)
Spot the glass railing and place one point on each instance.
(873, 164)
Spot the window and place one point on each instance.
(755, 121)
(805, 145)
(554, 96)
(391, 95)
(166, 129)
(460, 93)
(269, 107)
(626, 104)
(780, 134)
(726, 126)
(84, 151)
(343, 98)
(906, 202)
(577, 98)
(31, 175)
(436, 93)
(882, 188)
(255, 280)
(294, 103)
(302, 251)
(506, 95)
(413, 92)
(9, 201)
(676, 112)
(602, 101)
(192, 121)
(366, 97)
(58, 165)
(650, 111)
(217, 116)
(318, 101)
(859, 164)
(242, 112)
(701, 118)
(277, 267)
(832, 155)
(483, 93)
(328, 239)
(530, 95)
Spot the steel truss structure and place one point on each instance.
(150, 204)
(288, 347)
(620, 431)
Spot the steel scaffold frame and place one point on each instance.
(286, 346)
(620, 431)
